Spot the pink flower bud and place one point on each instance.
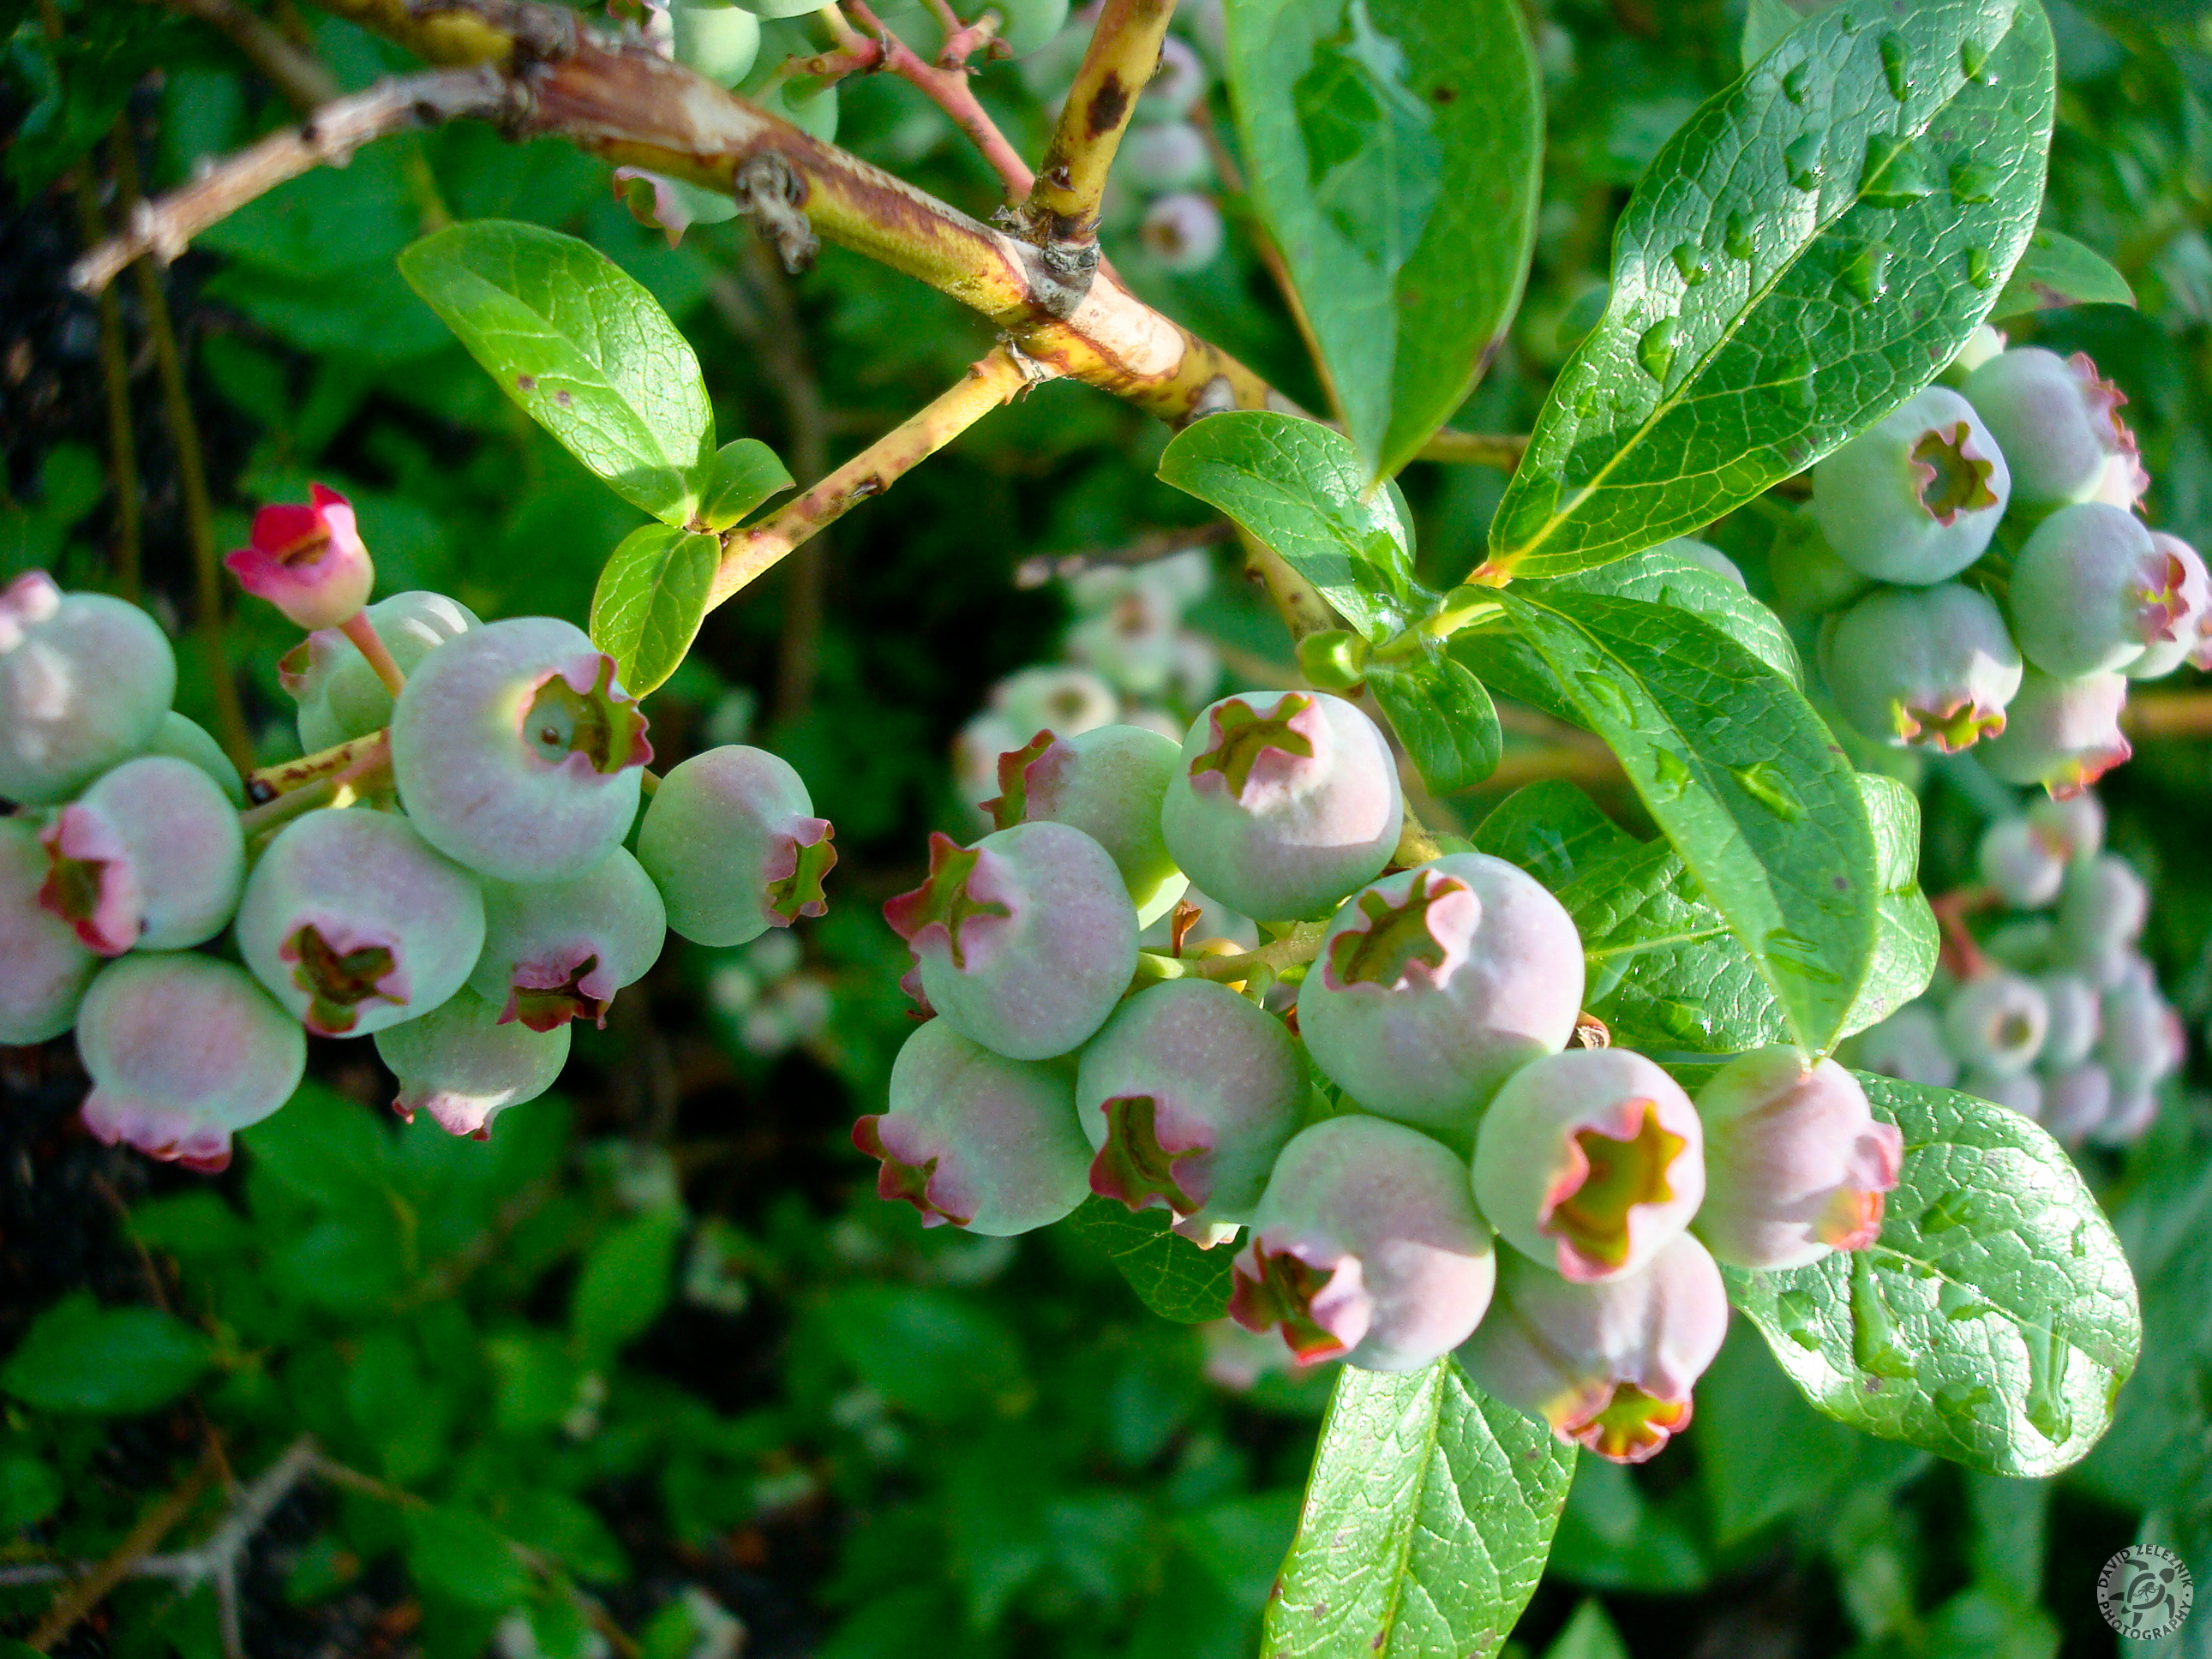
(309, 561)
(1795, 1164)
(1589, 1161)
(1608, 1366)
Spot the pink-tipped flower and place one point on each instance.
(1795, 1163)
(1608, 1366)
(307, 560)
(1589, 1161)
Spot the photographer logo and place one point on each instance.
(2144, 1592)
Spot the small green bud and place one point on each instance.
(1332, 661)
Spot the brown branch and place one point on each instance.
(1476, 449)
(282, 793)
(192, 478)
(292, 69)
(620, 101)
(163, 228)
(1061, 214)
(990, 381)
(2155, 714)
(81, 1597)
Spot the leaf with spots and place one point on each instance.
(1552, 830)
(1993, 1321)
(651, 598)
(1806, 253)
(1393, 149)
(583, 348)
(1171, 1276)
(1739, 773)
(1427, 1518)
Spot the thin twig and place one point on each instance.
(2156, 714)
(1061, 213)
(264, 784)
(293, 70)
(165, 226)
(874, 47)
(990, 381)
(1476, 449)
(81, 1597)
(191, 480)
(367, 767)
(370, 643)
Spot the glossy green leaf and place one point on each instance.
(1442, 714)
(583, 348)
(2057, 270)
(1906, 939)
(1589, 1635)
(1170, 1275)
(747, 473)
(650, 600)
(1428, 1514)
(109, 1362)
(1765, 23)
(1298, 487)
(1993, 1321)
(1552, 830)
(1660, 575)
(1664, 970)
(1393, 149)
(1802, 255)
(1741, 776)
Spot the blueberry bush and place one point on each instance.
(1458, 859)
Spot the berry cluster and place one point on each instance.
(2054, 1013)
(452, 877)
(1369, 1098)
(1987, 577)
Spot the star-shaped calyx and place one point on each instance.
(603, 722)
(1011, 803)
(795, 872)
(1132, 1166)
(1241, 737)
(338, 978)
(1607, 1176)
(899, 1180)
(1282, 1297)
(1632, 1426)
(945, 901)
(1953, 475)
(1947, 729)
(1399, 942)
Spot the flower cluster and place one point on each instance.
(1437, 995)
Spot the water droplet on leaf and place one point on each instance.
(1670, 774)
(1737, 240)
(1656, 350)
(1973, 58)
(1690, 264)
(1608, 697)
(1866, 275)
(1794, 82)
(1872, 1348)
(1894, 60)
(1972, 182)
(1765, 783)
(1895, 173)
(1978, 267)
(1802, 160)
(1795, 1311)
(2047, 1358)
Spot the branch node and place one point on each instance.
(768, 190)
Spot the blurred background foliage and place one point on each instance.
(653, 1371)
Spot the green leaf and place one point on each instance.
(1442, 714)
(1170, 1275)
(935, 1353)
(1589, 1635)
(585, 349)
(1298, 487)
(1906, 938)
(1801, 256)
(747, 473)
(1741, 776)
(109, 1362)
(2057, 270)
(1665, 971)
(650, 601)
(1993, 1321)
(1552, 830)
(1394, 150)
(624, 1282)
(1660, 575)
(1427, 1517)
(463, 1554)
(1765, 23)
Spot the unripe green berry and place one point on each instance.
(43, 966)
(84, 683)
(558, 951)
(1107, 782)
(464, 1063)
(731, 839)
